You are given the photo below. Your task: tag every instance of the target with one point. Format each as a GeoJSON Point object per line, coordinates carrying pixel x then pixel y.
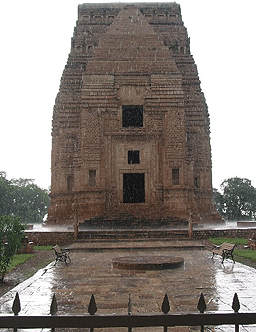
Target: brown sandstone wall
{"type": "Point", "coordinates": [50, 238]}
{"type": "Point", "coordinates": [135, 54]}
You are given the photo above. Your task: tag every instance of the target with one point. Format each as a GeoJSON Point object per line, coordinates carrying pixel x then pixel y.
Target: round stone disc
{"type": "Point", "coordinates": [147, 262]}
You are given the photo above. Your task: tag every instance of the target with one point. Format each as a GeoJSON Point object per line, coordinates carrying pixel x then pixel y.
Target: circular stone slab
{"type": "Point", "coordinates": [147, 262]}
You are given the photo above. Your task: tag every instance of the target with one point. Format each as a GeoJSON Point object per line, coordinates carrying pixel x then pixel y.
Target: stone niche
{"type": "Point", "coordinates": [130, 130]}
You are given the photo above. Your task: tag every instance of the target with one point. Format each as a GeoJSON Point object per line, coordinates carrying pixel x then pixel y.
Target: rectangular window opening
{"type": "Point", "coordinates": [133, 157]}
{"type": "Point", "coordinates": [196, 182]}
{"type": "Point", "coordinates": [175, 176]}
{"type": "Point", "coordinates": [132, 116]}
{"type": "Point", "coordinates": [92, 178]}
{"type": "Point", "coordinates": [70, 182]}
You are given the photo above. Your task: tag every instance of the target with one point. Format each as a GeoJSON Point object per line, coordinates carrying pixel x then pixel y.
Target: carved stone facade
{"type": "Point", "coordinates": [130, 124]}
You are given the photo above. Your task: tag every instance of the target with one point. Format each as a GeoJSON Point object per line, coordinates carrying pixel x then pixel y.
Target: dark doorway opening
{"type": "Point", "coordinates": [134, 188]}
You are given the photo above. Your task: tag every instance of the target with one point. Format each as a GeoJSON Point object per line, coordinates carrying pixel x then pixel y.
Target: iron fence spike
{"type": "Point", "coordinates": [201, 306]}
{"type": "Point", "coordinates": [165, 305]}
{"type": "Point", "coordinates": [236, 303]}
{"type": "Point", "coordinates": [16, 307]}
{"type": "Point", "coordinates": [129, 305]}
{"type": "Point", "coordinates": [54, 305]}
{"type": "Point", "coordinates": [92, 308]}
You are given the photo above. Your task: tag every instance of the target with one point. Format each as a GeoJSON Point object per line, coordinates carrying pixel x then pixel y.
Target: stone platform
{"type": "Point", "coordinates": [91, 272]}
{"type": "Point", "coordinates": [132, 245]}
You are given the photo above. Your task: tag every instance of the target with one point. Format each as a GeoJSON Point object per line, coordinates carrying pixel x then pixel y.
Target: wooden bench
{"type": "Point", "coordinates": [62, 255]}
{"type": "Point", "coordinates": [225, 251]}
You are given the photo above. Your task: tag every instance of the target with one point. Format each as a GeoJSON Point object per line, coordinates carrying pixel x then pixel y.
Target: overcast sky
{"type": "Point", "coordinates": [35, 43]}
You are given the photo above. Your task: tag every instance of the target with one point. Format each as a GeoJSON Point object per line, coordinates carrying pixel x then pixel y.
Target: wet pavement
{"type": "Point", "coordinates": [91, 272]}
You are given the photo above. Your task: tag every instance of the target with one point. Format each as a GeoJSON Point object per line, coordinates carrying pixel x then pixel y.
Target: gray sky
{"type": "Point", "coordinates": [35, 43]}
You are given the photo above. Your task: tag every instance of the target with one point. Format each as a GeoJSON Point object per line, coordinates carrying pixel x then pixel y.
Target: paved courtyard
{"type": "Point", "coordinates": [92, 273]}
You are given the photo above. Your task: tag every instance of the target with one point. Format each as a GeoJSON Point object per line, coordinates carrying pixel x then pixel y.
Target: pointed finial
{"type": "Point", "coordinates": [129, 305]}
{"type": "Point", "coordinates": [236, 303]}
{"type": "Point", "coordinates": [165, 305]}
{"type": "Point", "coordinates": [92, 308]}
{"type": "Point", "coordinates": [54, 306]}
{"type": "Point", "coordinates": [16, 305]}
{"type": "Point", "coordinates": [201, 306]}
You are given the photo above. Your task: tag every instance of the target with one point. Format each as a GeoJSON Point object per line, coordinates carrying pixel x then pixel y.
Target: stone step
{"type": "Point", "coordinates": [126, 234]}
{"type": "Point", "coordinates": [125, 220]}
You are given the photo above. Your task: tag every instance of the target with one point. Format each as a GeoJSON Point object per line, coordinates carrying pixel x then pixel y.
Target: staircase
{"type": "Point", "coordinates": [126, 227]}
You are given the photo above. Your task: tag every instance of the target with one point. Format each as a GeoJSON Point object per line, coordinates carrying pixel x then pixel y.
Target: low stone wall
{"type": "Point", "coordinates": [230, 233]}
{"type": "Point", "coordinates": [50, 238]}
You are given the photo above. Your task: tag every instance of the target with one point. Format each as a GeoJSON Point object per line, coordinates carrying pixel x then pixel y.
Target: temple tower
{"type": "Point", "coordinates": [130, 128]}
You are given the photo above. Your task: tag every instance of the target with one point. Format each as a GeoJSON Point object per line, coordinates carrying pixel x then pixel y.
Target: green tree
{"type": "Point", "coordinates": [11, 235]}
{"type": "Point", "coordinates": [218, 201]}
{"type": "Point", "coordinates": [6, 200]}
{"type": "Point", "coordinates": [239, 199]}
{"type": "Point", "coordinates": [23, 198]}
{"type": "Point", "coordinates": [30, 202]}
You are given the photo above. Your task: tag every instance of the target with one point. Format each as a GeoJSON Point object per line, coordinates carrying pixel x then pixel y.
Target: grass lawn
{"type": "Point", "coordinates": [219, 240]}
{"type": "Point", "coordinates": [22, 258]}
{"type": "Point", "coordinates": [19, 259]}
{"type": "Point", "coordinates": [248, 254]}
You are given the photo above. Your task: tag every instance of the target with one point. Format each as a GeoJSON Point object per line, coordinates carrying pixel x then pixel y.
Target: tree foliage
{"type": "Point", "coordinates": [237, 199]}
{"type": "Point", "coordinates": [11, 235]}
{"type": "Point", "coordinates": [22, 198]}
{"type": "Point", "coordinates": [218, 201]}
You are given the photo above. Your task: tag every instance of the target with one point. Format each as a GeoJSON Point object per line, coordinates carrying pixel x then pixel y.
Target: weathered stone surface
{"type": "Point", "coordinates": [147, 262]}
{"type": "Point", "coordinates": [130, 62]}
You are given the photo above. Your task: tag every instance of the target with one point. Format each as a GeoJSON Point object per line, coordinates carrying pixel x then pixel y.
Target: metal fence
{"type": "Point", "coordinates": [129, 321]}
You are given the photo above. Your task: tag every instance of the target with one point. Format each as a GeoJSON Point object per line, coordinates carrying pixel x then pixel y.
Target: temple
{"type": "Point", "coordinates": [130, 129]}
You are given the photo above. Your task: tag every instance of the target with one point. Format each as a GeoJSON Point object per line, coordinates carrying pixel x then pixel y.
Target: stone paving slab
{"type": "Point", "coordinates": [135, 245]}
{"type": "Point", "coordinates": [91, 272]}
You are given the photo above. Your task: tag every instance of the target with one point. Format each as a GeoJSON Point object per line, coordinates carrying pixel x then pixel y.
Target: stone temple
{"type": "Point", "coordinates": [130, 129]}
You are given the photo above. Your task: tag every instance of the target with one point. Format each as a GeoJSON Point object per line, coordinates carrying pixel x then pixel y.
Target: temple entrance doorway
{"type": "Point", "coordinates": [134, 188]}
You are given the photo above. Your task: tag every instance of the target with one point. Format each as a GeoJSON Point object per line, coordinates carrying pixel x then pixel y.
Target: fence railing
{"type": "Point", "coordinates": [129, 321]}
